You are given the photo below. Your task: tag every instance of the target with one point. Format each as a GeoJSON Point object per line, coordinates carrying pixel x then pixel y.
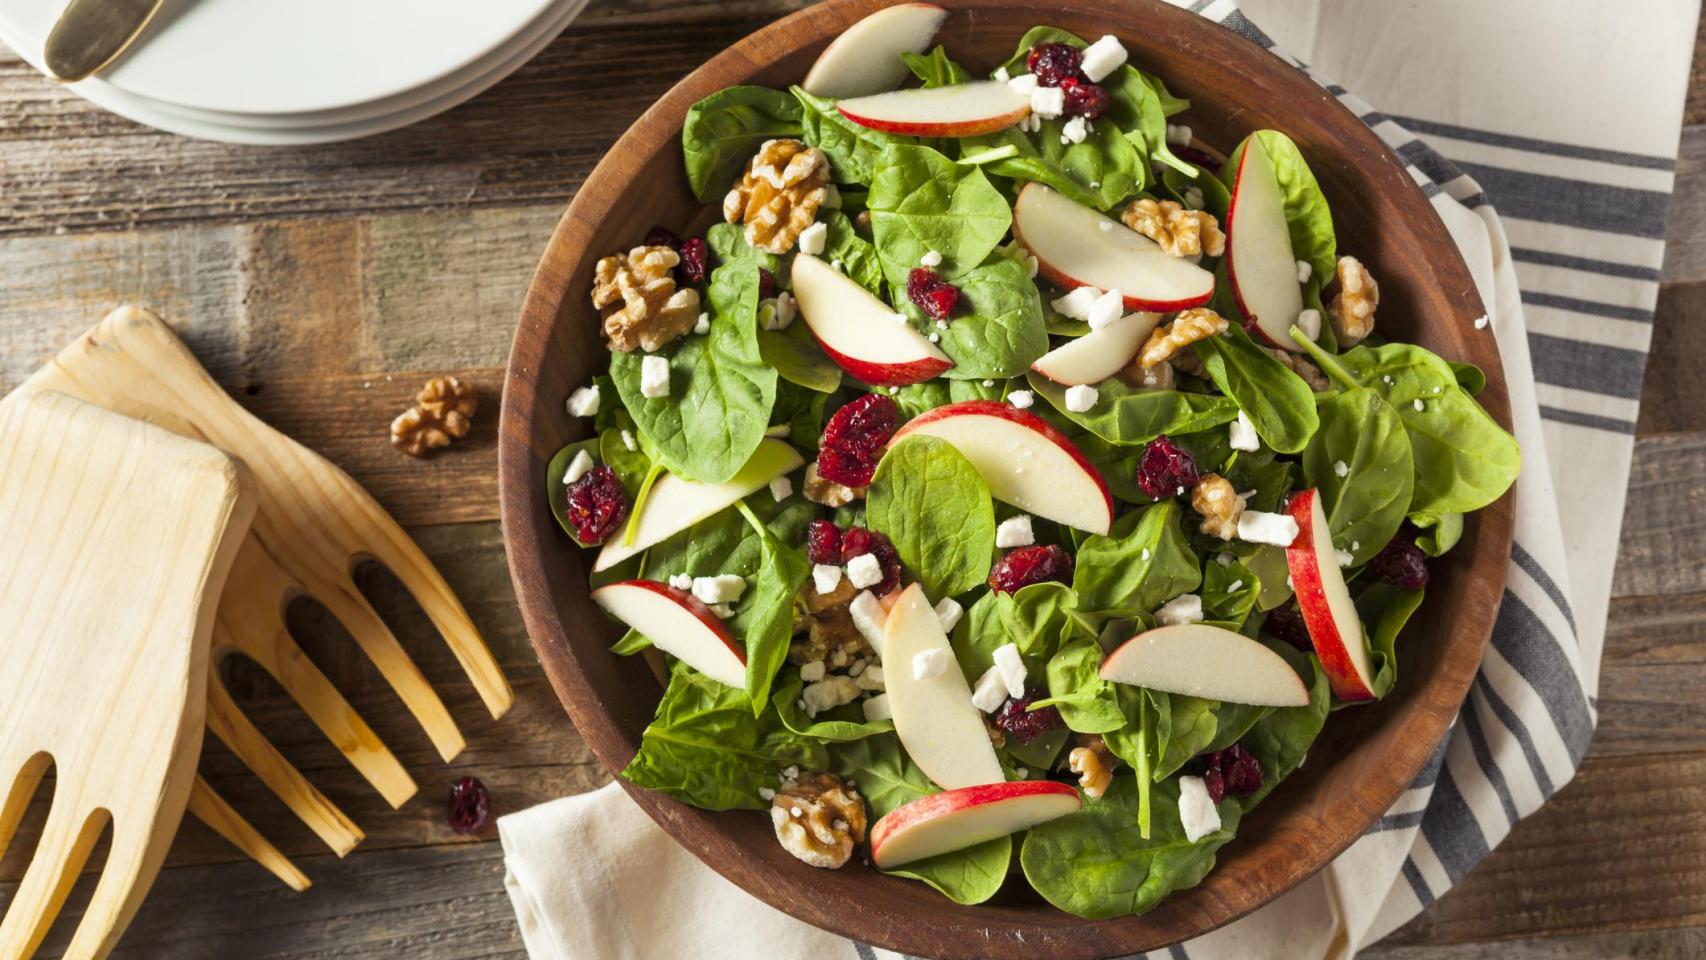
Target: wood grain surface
{"type": "Point", "coordinates": [321, 286]}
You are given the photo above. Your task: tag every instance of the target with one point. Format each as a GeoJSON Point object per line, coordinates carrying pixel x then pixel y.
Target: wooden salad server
{"type": "Point", "coordinates": [118, 539]}
{"type": "Point", "coordinates": [312, 526]}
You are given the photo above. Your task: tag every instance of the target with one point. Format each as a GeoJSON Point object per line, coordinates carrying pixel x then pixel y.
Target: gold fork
{"type": "Point", "coordinates": [312, 526]}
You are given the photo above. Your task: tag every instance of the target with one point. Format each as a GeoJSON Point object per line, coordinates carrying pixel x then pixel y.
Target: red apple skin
{"type": "Point", "coordinates": [694, 606]}
{"type": "Point", "coordinates": [885, 374]}
{"type": "Point", "coordinates": [1305, 569]}
{"type": "Point", "coordinates": [961, 128]}
{"type": "Point", "coordinates": [937, 804]}
{"type": "Point", "coordinates": [1006, 411]}
{"type": "Point", "coordinates": [1062, 280]}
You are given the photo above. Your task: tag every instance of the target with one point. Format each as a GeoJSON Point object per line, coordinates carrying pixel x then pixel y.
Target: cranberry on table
{"type": "Point", "coordinates": [470, 802]}
{"type": "Point", "coordinates": [1028, 565]}
{"type": "Point", "coordinates": [1051, 63]}
{"type": "Point", "coordinates": [1016, 718]}
{"type": "Point", "coordinates": [1402, 564]}
{"type": "Point", "coordinates": [595, 505]}
{"type": "Point", "coordinates": [931, 294]}
{"type": "Point", "coordinates": [1166, 469]}
{"type": "Point", "coordinates": [854, 438]}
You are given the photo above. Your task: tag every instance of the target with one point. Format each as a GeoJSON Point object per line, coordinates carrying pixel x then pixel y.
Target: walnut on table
{"type": "Point", "coordinates": [1187, 328]}
{"type": "Point", "coordinates": [1352, 311]}
{"type": "Point", "coordinates": [819, 818]}
{"type": "Point", "coordinates": [1094, 763]}
{"type": "Point", "coordinates": [442, 413]}
{"type": "Point", "coordinates": [1179, 232]}
{"type": "Point", "coordinates": [641, 305]}
{"type": "Point", "coordinates": [779, 195]}
{"type": "Point", "coordinates": [1220, 505]}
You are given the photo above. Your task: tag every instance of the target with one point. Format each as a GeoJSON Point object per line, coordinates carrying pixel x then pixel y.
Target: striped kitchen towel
{"type": "Point", "coordinates": [1563, 117]}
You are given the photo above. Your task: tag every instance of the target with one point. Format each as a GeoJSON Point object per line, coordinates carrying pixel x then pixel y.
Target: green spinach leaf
{"type": "Point", "coordinates": [852, 149]}
{"type": "Point", "coordinates": [921, 201]}
{"type": "Point", "coordinates": [1366, 503]}
{"type": "Point", "coordinates": [1141, 563]}
{"type": "Point", "coordinates": [997, 331]}
{"type": "Point", "coordinates": [840, 725]}
{"type": "Point", "coordinates": [1124, 414]}
{"type": "Point", "coordinates": [725, 129]}
{"type": "Point", "coordinates": [933, 504]}
{"type": "Point", "coordinates": [935, 69]}
{"type": "Point", "coordinates": [1075, 686]}
{"type": "Point", "coordinates": [1278, 403]}
{"type": "Point", "coordinates": [1037, 619]}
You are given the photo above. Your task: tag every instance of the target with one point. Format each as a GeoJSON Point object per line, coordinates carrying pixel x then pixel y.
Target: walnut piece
{"type": "Point", "coordinates": [1094, 764]}
{"type": "Point", "coordinates": [641, 306]}
{"type": "Point", "coordinates": [828, 492]}
{"type": "Point", "coordinates": [1180, 232]}
{"type": "Point", "coordinates": [779, 195]}
{"type": "Point", "coordinates": [830, 636]}
{"type": "Point", "coordinates": [1187, 328]}
{"type": "Point", "coordinates": [1352, 311]}
{"type": "Point", "coordinates": [1299, 364]}
{"type": "Point", "coordinates": [1219, 504]}
{"type": "Point", "coordinates": [819, 818]}
{"type": "Point", "coordinates": [442, 413]}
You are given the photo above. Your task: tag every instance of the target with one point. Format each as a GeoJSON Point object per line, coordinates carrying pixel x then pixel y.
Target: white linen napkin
{"type": "Point", "coordinates": [1564, 114]}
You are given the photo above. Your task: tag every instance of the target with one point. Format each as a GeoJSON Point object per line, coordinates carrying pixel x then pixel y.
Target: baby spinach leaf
{"type": "Point", "coordinates": [725, 129]}
{"type": "Point", "coordinates": [708, 748]}
{"type": "Point", "coordinates": [997, 330]}
{"type": "Point", "coordinates": [1366, 504]}
{"type": "Point", "coordinates": [1469, 377]}
{"type": "Point", "coordinates": [852, 149]}
{"type": "Point", "coordinates": [935, 69]}
{"type": "Point", "coordinates": [914, 399]}
{"type": "Point", "coordinates": [1279, 404]}
{"type": "Point", "coordinates": [1093, 863]}
{"type": "Point", "coordinates": [1229, 591]}
{"type": "Point", "coordinates": [1184, 727]}
{"type": "Point", "coordinates": [798, 359]}
{"type": "Point", "coordinates": [1099, 172]}
{"type": "Point", "coordinates": [764, 615]}
{"type": "Point", "coordinates": [888, 779]}
{"type": "Point", "coordinates": [1384, 609]}
{"type": "Point", "coordinates": [1086, 702]}
{"type": "Point", "coordinates": [556, 492]}
{"type": "Point", "coordinates": [1141, 563]}
{"type": "Point", "coordinates": [800, 409]}
{"type": "Point", "coordinates": [631, 643]}
{"type": "Point", "coordinates": [720, 387]}
{"type": "Point", "coordinates": [842, 724]}
{"type": "Point", "coordinates": [857, 257]}
{"type": "Point", "coordinates": [1307, 216]}
{"type": "Point", "coordinates": [728, 242]}
{"type": "Point", "coordinates": [1267, 479]}
{"type": "Point", "coordinates": [631, 466]}
{"type": "Point", "coordinates": [1037, 618]}
{"type": "Point", "coordinates": [1128, 415]}
{"type": "Point", "coordinates": [1281, 739]}
{"type": "Point", "coordinates": [922, 201]}
{"type": "Point", "coordinates": [1438, 533]}
{"type": "Point", "coordinates": [933, 504]}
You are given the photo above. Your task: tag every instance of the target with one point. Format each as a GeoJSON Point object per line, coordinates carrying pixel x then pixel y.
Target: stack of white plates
{"type": "Point", "coordinates": [303, 71]}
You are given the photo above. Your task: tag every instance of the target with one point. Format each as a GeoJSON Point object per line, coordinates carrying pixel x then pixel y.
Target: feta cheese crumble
{"type": "Point", "coordinates": [1015, 532]}
{"type": "Point", "coordinates": [812, 239]}
{"type": "Point", "coordinates": [1345, 558]}
{"type": "Point", "coordinates": [990, 692]}
{"type": "Point", "coordinates": [1024, 84]}
{"type": "Point", "coordinates": [1181, 609]}
{"type": "Point", "coordinates": [1196, 811]}
{"type": "Point", "coordinates": [578, 467]}
{"type": "Point", "coordinates": [1101, 58]}
{"type": "Point", "coordinates": [1011, 668]}
{"type": "Point", "coordinates": [1178, 135]}
{"type": "Point", "coordinates": [813, 672]}
{"type": "Point", "coordinates": [1254, 526]}
{"type": "Point", "coordinates": [829, 693]}
{"type": "Point", "coordinates": [1304, 271]}
{"type": "Point", "coordinates": [929, 663]}
{"type": "Point", "coordinates": [681, 581]}
{"type": "Point", "coordinates": [584, 402]}
{"type": "Point", "coordinates": [868, 617]}
{"type": "Point", "coordinates": [1105, 310]}
{"type": "Point", "coordinates": [628, 441]}
{"type": "Point", "coordinates": [1002, 74]}
{"type": "Point", "coordinates": [1481, 322]}
{"type": "Point", "coordinates": [722, 588]}
{"type": "Point", "coordinates": [1309, 321]}
{"type": "Point", "coordinates": [1241, 434]}
{"type": "Point", "coordinates": [1048, 102]}
{"type": "Point", "coordinates": [781, 488]}
{"type": "Point", "coordinates": [1075, 130]}
{"type": "Point", "coordinates": [877, 708]}
{"type": "Point", "coordinates": [1080, 398]}
{"type": "Point", "coordinates": [654, 377]}
{"type": "Point", "coordinates": [948, 612]}
{"type": "Point", "coordinates": [1021, 399]}
{"type": "Point", "coordinates": [1341, 469]}
{"type": "Point", "coordinates": [871, 678]}
{"type": "Point", "coordinates": [702, 326]}
{"type": "Point", "coordinates": [931, 258]}
{"type": "Point", "coordinates": [1194, 198]}
{"type": "Point", "coordinates": [864, 571]}
{"type": "Point", "coordinates": [1419, 405]}
{"type": "Point", "coordinates": [825, 577]}
{"type": "Point", "coordinates": [1077, 303]}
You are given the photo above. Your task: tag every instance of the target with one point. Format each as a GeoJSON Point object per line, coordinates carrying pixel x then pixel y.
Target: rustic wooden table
{"type": "Point", "coordinates": [322, 285]}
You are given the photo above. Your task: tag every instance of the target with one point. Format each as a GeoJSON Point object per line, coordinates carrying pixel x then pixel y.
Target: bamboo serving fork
{"type": "Point", "coordinates": [118, 538]}
{"type": "Point", "coordinates": [312, 525]}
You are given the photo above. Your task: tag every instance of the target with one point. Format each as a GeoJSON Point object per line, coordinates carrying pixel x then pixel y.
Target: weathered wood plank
{"type": "Point", "coordinates": [1653, 677]}
{"type": "Point", "coordinates": [1665, 519]}
{"type": "Point", "coordinates": [1673, 397]}
{"type": "Point", "coordinates": [1676, 944]}
{"type": "Point", "coordinates": [1685, 231]}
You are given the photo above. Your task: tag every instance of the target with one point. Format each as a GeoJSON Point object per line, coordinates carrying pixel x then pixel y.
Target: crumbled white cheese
{"type": "Point", "coordinates": [1481, 322]}
{"type": "Point", "coordinates": [931, 258]}
{"type": "Point", "coordinates": [1254, 526]}
{"type": "Point", "coordinates": [628, 441]}
{"type": "Point", "coordinates": [864, 571]}
{"type": "Point", "coordinates": [1345, 558]}
{"type": "Point", "coordinates": [1236, 586]}
{"type": "Point", "coordinates": [778, 314]}
{"type": "Point", "coordinates": [829, 693]}
{"type": "Point", "coordinates": [1075, 130]}
{"type": "Point", "coordinates": [1011, 667]}
{"type": "Point", "coordinates": [1178, 135]}
{"type": "Point", "coordinates": [578, 467]}
{"type": "Point", "coordinates": [1021, 399]}
{"type": "Point", "coordinates": [1242, 434]}
{"type": "Point", "coordinates": [654, 377]}
{"type": "Point", "coordinates": [723, 588]}
{"type": "Point", "coordinates": [990, 692]}
{"type": "Point", "coordinates": [1181, 609]}
{"type": "Point", "coordinates": [1194, 198]}
{"type": "Point", "coordinates": [1196, 810]}
{"type": "Point", "coordinates": [871, 678]}
{"type": "Point", "coordinates": [766, 794]}
{"type": "Point", "coordinates": [813, 672]}
{"type": "Point", "coordinates": [1023, 84]}
{"type": "Point", "coordinates": [825, 577]}
{"type": "Point", "coordinates": [1015, 532]}
{"type": "Point", "coordinates": [1105, 310]}
{"type": "Point", "coordinates": [1420, 407]}
{"type": "Point", "coordinates": [1309, 321]}
{"type": "Point", "coordinates": [702, 326]}
{"type": "Point", "coordinates": [1077, 303]}
{"type": "Point", "coordinates": [584, 402]}
{"type": "Point", "coordinates": [1224, 559]}
{"type": "Point", "coordinates": [868, 617]}
{"type": "Point", "coordinates": [1002, 74]}
{"type": "Point", "coordinates": [1304, 271]}
{"type": "Point", "coordinates": [722, 610]}
{"type": "Point", "coordinates": [681, 581]}
{"type": "Point", "coordinates": [1101, 58]}
{"type": "Point", "coordinates": [1081, 397]}
{"type": "Point", "coordinates": [781, 488]}
{"type": "Point", "coordinates": [877, 708]}
{"type": "Point", "coordinates": [935, 338]}
{"type": "Point", "coordinates": [948, 612]}
{"type": "Point", "coordinates": [929, 663]}
{"type": "Point", "coordinates": [812, 239]}
{"type": "Point", "coordinates": [1341, 469]}
{"type": "Point", "coordinates": [1048, 102]}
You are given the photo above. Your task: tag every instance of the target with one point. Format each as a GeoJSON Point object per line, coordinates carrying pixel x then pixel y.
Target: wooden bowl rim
{"type": "Point", "coordinates": [937, 924]}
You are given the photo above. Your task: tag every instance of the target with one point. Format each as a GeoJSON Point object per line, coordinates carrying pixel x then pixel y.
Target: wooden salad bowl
{"type": "Point", "coordinates": [1366, 756]}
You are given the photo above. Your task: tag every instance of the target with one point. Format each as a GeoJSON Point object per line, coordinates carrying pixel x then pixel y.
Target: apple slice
{"type": "Point", "coordinates": [1075, 247]}
{"type": "Point", "coordinates": [1201, 660]}
{"type": "Point", "coordinates": [1025, 461]}
{"type": "Point", "coordinates": [960, 110]}
{"type": "Point", "coordinates": [1325, 602]}
{"type": "Point", "coordinates": [865, 59]}
{"type": "Point", "coordinates": [676, 504]}
{"type": "Point", "coordinates": [1259, 259]}
{"type": "Point", "coordinates": [934, 717]}
{"type": "Point", "coordinates": [858, 331]}
{"type": "Point", "coordinates": [957, 819]}
{"type": "Point", "coordinates": [677, 623]}
{"type": "Point", "coordinates": [1099, 354]}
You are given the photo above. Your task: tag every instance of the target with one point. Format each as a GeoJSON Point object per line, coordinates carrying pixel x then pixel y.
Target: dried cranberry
{"type": "Point", "coordinates": [1166, 469]}
{"type": "Point", "coordinates": [1018, 720]}
{"type": "Point", "coordinates": [933, 295]}
{"type": "Point", "coordinates": [1201, 158]}
{"type": "Point", "coordinates": [766, 284]}
{"type": "Point", "coordinates": [1051, 63]}
{"type": "Point", "coordinates": [596, 505]}
{"type": "Point", "coordinates": [1235, 769]}
{"type": "Point", "coordinates": [854, 438]}
{"type": "Point", "coordinates": [858, 540]}
{"type": "Point", "coordinates": [1215, 783]}
{"type": "Point", "coordinates": [1028, 565]}
{"type": "Point", "coordinates": [1402, 564]}
{"type": "Point", "coordinates": [661, 236]}
{"type": "Point", "coordinates": [695, 259]}
{"type": "Point", "coordinates": [1285, 622]}
{"type": "Point", "coordinates": [1084, 99]}
{"type": "Point", "coordinates": [823, 542]}
{"type": "Point", "coordinates": [469, 804]}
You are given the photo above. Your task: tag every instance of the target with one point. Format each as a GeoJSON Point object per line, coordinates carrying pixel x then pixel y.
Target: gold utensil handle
{"type": "Point", "coordinates": [92, 33]}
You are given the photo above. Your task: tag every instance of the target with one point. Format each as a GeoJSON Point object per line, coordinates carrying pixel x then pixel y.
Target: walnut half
{"type": "Point", "coordinates": [1179, 232]}
{"type": "Point", "coordinates": [1352, 311]}
{"type": "Point", "coordinates": [819, 818]}
{"type": "Point", "coordinates": [1094, 764]}
{"type": "Point", "coordinates": [442, 413]}
{"type": "Point", "coordinates": [640, 303]}
{"type": "Point", "coordinates": [1219, 504]}
{"type": "Point", "coordinates": [1187, 328]}
{"type": "Point", "coordinates": [779, 195]}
